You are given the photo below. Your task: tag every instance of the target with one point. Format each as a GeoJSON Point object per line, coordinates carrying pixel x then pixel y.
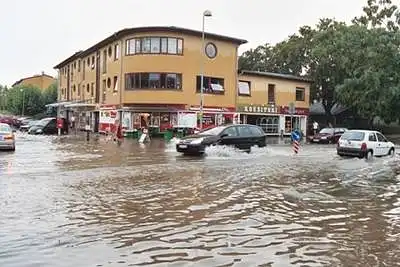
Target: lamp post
{"type": "Point", "coordinates": [23, 101]}
{"type": "Point", "coordinates": [206, 13]}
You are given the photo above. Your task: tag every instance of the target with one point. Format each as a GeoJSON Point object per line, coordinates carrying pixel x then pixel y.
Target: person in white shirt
{"type": "Point", "coordinates": [315, 127]}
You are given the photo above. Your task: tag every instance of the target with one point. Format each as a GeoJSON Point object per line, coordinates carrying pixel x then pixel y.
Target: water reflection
{"type": "Point", "coordinates": [101, 205]}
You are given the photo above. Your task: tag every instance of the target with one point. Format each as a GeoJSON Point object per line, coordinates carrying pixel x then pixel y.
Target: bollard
{"type": "Point", "coordinates": [296, 136]}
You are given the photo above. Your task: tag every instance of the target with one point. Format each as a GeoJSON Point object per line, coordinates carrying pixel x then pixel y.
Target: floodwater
{"type": "Point", "coordinates": [65, 202]}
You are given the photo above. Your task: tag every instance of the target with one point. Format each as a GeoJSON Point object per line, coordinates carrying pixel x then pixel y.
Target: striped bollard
{"type": "Point", "coordinates": [296, 136]}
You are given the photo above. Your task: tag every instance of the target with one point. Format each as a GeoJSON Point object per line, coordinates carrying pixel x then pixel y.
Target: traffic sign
{"type": "Point", "coordinates": [292, 108]}
{"type": "Point", "coordinates": [296, 136]}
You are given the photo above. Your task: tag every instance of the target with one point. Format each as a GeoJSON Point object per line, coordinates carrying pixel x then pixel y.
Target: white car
{"type": "Point", "coordinates": [7, 138]}
{"type": "Point", "coordinates": [363, 143]}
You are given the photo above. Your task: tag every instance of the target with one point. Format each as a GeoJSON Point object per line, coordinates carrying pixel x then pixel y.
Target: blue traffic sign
{"type": "Point", "coordinates": [296, 135]}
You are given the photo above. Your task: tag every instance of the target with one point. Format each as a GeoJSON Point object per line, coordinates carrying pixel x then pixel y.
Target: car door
{"type": "Point", "coordinates": [383, 144]}
{"type": "Point", "coordinates": [246, 138]}
{"type": "Point", "coordinates": [373, 143]}
{"type": "Point", "coordinates": [258, 136]}
{"type": "Point", "coordinates": [229, 136]}
{"type": "Point", "coordinates": [51, 127]}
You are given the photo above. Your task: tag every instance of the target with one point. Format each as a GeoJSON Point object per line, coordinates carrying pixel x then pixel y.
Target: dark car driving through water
{"type": "Point", "coordinates": [241, 136]}
{"type": "Point", "coordinates": [328, 135]}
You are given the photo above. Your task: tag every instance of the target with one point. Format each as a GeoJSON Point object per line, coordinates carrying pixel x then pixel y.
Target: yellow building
{"type": "Point", "coordinates": [42, 81]}
{"type": "Point", "coordinates": [278, 103]}
{"type": "Point", "coordinates": [151, 75]}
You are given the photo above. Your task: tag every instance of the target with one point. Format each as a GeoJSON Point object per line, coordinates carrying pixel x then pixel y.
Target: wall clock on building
{"type": "Point", "coordinates": [211, 50]}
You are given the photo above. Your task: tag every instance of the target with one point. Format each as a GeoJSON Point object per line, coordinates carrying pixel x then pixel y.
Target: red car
{"type": "Point", "coordinates": [328, 135]}
{"type": "Point", "coordinates": [7, 120]}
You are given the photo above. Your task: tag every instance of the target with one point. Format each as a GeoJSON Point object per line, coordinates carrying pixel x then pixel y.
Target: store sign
{"type": "Point", "coordinates": [297, 111]}
{"type": "Point", "coordinates": [258, 109]}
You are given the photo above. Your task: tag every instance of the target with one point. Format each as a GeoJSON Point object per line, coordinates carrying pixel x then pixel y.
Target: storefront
{"type": "Point", "coordinates": [213, 116]}
{"type": "Point", "coordinates": [274, 120]}
{"type": "Point", "coordinates": [82, 114]}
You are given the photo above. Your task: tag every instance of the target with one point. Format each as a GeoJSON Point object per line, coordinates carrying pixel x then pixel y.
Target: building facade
{"type": "Point", "coordinates": [151, 75]}
{"type": "Point", "coordinates": [41, 81]}
{"type": "Point", "coordinates": [278, 103]}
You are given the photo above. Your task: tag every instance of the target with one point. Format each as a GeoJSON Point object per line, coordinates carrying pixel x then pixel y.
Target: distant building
{"type": "Point", "coordinates": [41, 81]}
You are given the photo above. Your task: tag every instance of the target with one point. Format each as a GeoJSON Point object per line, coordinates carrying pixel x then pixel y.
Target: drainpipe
{"type": "Point", "coordinates": [121, 80]}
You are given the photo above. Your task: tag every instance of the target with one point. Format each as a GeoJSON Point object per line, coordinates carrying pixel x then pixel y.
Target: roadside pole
{"type": "Point", "coordinates": [292, 111]}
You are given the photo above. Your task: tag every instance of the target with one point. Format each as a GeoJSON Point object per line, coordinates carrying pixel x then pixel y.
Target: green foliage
{"type": "Point", "coordinates": [357, 65]}
{"type": "Point", "coordinates": [27, 100]}
{"type": "Point", "coordinates": [50, 94]}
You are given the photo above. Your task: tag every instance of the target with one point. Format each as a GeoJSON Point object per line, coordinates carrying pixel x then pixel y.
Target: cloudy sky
{"type": "Point", "coordinates": [38, 34]}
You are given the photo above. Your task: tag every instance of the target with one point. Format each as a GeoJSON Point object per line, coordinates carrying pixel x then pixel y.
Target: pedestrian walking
{"type": "Point", "coordinates": [118, 132]}
{"type": "Point", "coordinates": [315, 127]}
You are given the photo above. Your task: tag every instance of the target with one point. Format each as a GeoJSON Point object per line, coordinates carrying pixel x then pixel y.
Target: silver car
{"type": "Point", "coordinates": [7, 137]}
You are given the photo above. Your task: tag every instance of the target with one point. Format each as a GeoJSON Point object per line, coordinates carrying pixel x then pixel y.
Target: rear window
{"type": "Point", "coordinates": [353, 136]}
{"type": "Point", "coordinates": [5, 129]}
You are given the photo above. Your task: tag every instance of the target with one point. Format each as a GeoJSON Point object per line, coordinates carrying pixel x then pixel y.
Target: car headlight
{"type": "Point", "coordinates": [197, 141]}
{"type": "Point", "coordinates": [39, 131]}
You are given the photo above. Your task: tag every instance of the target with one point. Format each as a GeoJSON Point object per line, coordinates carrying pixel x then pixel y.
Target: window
{"type": "Point", "coordinates": [211, 85]}
{"type": "Point", "coordinates": [231, 131]}
{"type": "Point", "coordinates": [103, 89]}
{"type": "Point", "coordinates": [83, 70]}
{"type": "Point", "coordinates": [164, 45]}
{"type": "Point", "coordinates": [79, 65]}
{"type": "Point", "coordinates": [116, 52]}
{"type": "Point", "coordinates": [108, 83]}
{"type": "Point", "coordinates": [92, 90]}
{"type": "Point", "coordinates": [88, 62]}
{"type": "Point", "coordinates": [244, 88]}
{"type": "Point", "coordinates": [153, 80]}
{"type": "Point", "coordinates": [270, 124]}
{"type": "Point", "coordinates": [154, 45]}
{"type": "Point", "coordinates": [372, 137]}
{"type": "Point", "coordinates": [104, 62]}
{"type": "Point", "coordinates": [300, 94]}
{"type": "Point", "coordinates": [88, 88]}
{"type": "Point", "coordinates": [92, 62]}
{"type": "Point", "coordinates": [172, 45]}
{"type": "Point", "coordinates": [115, 84]}
{"type": "Point", "coordinates": [271, 94]}
{"type": "Point", "coordinates": [381, 138]}
{"type": "Point", "coordinates": [109, 51]}
{"type": "Point", "coordinates": [244, 131]}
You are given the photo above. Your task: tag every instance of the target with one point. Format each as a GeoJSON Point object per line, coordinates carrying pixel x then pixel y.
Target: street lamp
{"type": "Point", "coordinates": [206, 13]}
{"type": "Point", "coordinates": [23, 101]}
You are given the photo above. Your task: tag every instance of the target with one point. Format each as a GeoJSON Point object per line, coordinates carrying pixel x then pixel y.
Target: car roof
{"type": "Point", "coordinates": [364, 131]}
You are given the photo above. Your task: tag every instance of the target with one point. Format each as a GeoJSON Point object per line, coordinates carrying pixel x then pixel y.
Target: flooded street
{"type": "Point", "coordinates": [65, 202]}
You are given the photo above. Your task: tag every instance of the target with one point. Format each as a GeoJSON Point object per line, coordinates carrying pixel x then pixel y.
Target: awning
{"type": "Point", "coordinates": [58, 104]}
{"type": "Point", "coordinates": [80, 105]}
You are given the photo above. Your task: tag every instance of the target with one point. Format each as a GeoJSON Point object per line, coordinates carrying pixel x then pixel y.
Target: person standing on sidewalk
{"type": "Point", "coordinates": [118, 132]}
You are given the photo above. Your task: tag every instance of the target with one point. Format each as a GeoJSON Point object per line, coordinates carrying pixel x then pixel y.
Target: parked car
{"type": "Point", "coordinates": [328, 135]}
{"type": "Point", "coordinates": [44, 126]}
{"type": "Point", "coordinates": [363, 143]}
{"type": "Point", "coordinates": [242, 136]}
{"type": "Point", "coordinates": [7, 138]}
{"type": "Point", "coordinates": [27, 125]}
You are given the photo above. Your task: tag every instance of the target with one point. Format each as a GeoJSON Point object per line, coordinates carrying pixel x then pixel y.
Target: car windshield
{"type": "Point", "coordinates": [43, 122]}
{"type": "Point", "coordinates": [5, 129]}
{"type": "Point", "coordinates": [326, 131]}
{"type": "Point", "coordinates": [213, 131]}
{"type": "Point", "coordinates": [31, 123]}
{"type": "Point", "coordinates": [353, 136]}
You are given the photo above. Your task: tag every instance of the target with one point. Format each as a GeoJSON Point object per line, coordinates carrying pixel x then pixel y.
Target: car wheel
{"type": "Point", "coordinates": [391, 152]}
{"type": "Point", "coordinates": [369, 155]}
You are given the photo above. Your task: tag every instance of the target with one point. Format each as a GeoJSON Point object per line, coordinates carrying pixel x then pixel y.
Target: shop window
{"type": "Point", "coordinates": [211, 85]}
{"type": "Point", "coordinates": [292, 123]}
{"type": "Point", "coordinates": [116, 51]}
{"type": "Point", "coordinates": [244, 88]}
{"type": "Point", "coordinates": [300, 94]}
{"type": "Point", "coordinates": [153, 81]}
{"type": "Point", "coordinates": [271, 93]}
{"type": "Point", "coordinates": [154, 45]}
{"type": "Point", "coordinates": [270, 124]}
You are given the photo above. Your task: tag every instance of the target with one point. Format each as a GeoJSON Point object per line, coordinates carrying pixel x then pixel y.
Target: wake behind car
{"type": "Point", "coordinates": [44, 126]}
{"type": "Point", "coordinates": [328, 135]}
{"type": "Point", "coordinates": [7, 138]}
{"type": "Point", "coordinates": [364, 143]}
{"type": "Point", "coordinates": [241, 136]}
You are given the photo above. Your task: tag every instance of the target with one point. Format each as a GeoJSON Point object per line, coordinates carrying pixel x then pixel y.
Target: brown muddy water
{"type": "Point", "coordinates": [64, 202]}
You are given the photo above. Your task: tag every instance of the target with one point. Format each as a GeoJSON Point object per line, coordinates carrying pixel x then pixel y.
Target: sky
{"type": "Point", "coordinates": [38, 34]}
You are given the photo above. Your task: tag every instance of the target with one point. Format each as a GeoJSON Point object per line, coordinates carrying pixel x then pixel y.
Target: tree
{"type": "Point", "coordinates": [25, 99]}
{"type": "Point", "coordinates": [378, 13]}
{"type": "Point", "coordinates": [50, 94]}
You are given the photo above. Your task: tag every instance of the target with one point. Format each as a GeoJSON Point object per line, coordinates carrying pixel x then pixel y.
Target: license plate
{"type": "Point", "coordinates": [182, 146]}
{"type": "Point", "coordinates": [316, 140]}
